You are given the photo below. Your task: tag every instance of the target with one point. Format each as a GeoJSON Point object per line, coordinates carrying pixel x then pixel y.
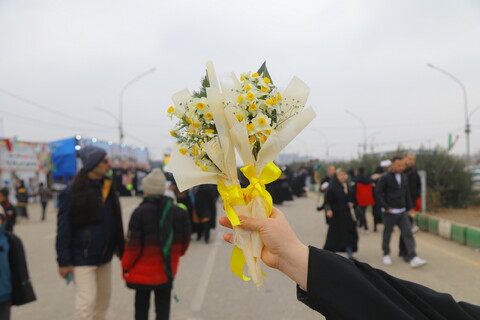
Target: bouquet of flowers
{"type": "Point", "coordinates": [248, 114]}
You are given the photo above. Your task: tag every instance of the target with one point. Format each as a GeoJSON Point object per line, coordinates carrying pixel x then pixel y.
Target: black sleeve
{"type": "Point", "coordinates": [327, 202]}
{"type": "Point", "coordinates": [408, 196]}
{"type": "Point", "coordinates": [379, 191]}
{"type": "Point", "coordinates": [64, 233]}
{"type": "Point", "coordinates": [340, 288]}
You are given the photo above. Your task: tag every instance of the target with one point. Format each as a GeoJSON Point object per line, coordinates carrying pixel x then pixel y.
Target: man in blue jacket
{"type": "Point", "coordinates": [89, 233]}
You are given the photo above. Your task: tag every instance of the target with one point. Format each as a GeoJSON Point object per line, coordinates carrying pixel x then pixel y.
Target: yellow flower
{"type": "Point", "coordinates": [268, 132]}
{"type": "Point", "coordinates": [255, 75]}
{"type": "Point", "coordinates": [240, 99]}
{"type": "Point", "coordinates": [251, 139]}
{"type": "Point", "coordinates": [265, 89]}
{"type": "Point", "coordinates": [279, 96]}
{"type": "Point", "coordinates": [262, 121]}
{"type": "Point", "coordinates": [242, 78]}
{"type": "Point", "coordinates": [183, 151]}
{"type": "Point", "coordinates": [203, 167]}
{"type": "Point", "coordinates": [195, 151]}
{"type": "Point", "coordinates": [250, 126]}
{"type": "Point", "coordinates": [209, 131]}
{"type": "Point", "coordinates": [189, 120]}
{"type": "Point", "coordinates": [247, 87]}
{"type": "Point", "coordinates": [266, 79]}
{"type": "Point", "coordinates": [250, 96]}
{"type": "Point", "coordinates": [195, 125]}
{"type": "Point", "coordinates": [191, 132]}
{"type": "Point", "coordinates": [252, 107]}
{"type": "Point", "coordinates": [269, 101]}
{"type": "Point", "coordinates": [274, 100]}
{"type": "Point", "coordinates": [172, 133]}
{"type": "Point", "coordinates": [170, 109]}
{"type": "Point", "coordinates": [263, 139]}
{"type": "Point", "coordinates": [197, 164]}
{"type": "Point", "coordinates": [208, 116]}
{"type": "Point", "coordinates": [200, 105]}
{"type": "Point", "coordinates": [239, 117]}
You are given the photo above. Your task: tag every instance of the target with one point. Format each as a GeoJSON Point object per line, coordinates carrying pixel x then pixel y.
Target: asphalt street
{"type": "Point", "coordinates": [209, 291]}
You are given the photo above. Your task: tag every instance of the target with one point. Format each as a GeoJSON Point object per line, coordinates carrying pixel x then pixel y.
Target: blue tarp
{"type": "Point", "coordinates": [64, 158]}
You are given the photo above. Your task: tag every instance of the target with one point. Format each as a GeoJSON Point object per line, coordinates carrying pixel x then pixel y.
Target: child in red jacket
{"type": "Point", "coordinates": [158, 234]}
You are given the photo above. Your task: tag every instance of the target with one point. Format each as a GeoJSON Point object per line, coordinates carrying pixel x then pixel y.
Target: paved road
{"type": "Point", "coordinates": [208, 291]}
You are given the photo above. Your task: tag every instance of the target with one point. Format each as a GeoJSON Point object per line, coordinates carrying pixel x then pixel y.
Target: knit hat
{"type": "Point", "coordinates": [154, 183]}
{"type": "Point", "coordinates": [91, 156]}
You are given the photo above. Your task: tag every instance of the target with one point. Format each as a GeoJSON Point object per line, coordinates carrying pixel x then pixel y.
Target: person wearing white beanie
{"type": "Point", "coordinates": [154, 183]}
{"type": "Point", "coordinates": [158, 235]}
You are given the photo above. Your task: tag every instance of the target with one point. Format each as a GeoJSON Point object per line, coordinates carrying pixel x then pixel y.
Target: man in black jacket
{"type": "Point", "coordinates": [89, 233]}
{"type": "Point", "coordinates": [393, 194]}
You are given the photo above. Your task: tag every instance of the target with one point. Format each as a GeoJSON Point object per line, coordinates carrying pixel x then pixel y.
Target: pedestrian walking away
{"type": "Point", "coordinates": [45, 195]}
{"type": "Point", "coordinates": [363, 194]}
{"type": "Point", "coordinates": [158, 235]}
{"type": "Point", "coordinates": [393, 194]}
{"type": "Point", "coordinates": [89, 233]}
{"type": "Point", "coordinates": [22, 199]}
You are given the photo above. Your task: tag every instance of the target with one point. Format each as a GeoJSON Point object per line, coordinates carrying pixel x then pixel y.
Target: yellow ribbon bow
{"type": "Point", "coordinates": [256, 188]}
{"type": "Point", "coordinates": [231, 196]}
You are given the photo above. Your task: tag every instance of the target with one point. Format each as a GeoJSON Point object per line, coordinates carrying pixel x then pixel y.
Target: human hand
{"type": "Point", "coordinates": [329, 213]}
{"type": "Point", "coordinates": [388, 210]}
{"type": "Point", "coordinates": [350, 205]}
{"type": "Point", "coordinates": [63, 271]}
{"type": "Point", "coordinates": [282, 250]}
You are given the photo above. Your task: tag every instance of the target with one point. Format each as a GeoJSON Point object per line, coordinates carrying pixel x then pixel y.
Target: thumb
{"type": "Point", "coordinates": [252, 224]}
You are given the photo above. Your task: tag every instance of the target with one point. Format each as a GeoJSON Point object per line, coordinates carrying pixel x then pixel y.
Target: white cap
{"type": "Point", "coordinates": [385, 163]}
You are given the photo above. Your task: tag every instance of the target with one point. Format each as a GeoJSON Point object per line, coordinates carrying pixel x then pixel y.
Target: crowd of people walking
{"type": "Point", "coordinates": [90, 228]}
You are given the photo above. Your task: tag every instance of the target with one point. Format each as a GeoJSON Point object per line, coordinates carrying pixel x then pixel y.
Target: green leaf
{"type": "Point", "coordinates": [205, 83]}
{"type": "Point", "coordinates": [263, 71]}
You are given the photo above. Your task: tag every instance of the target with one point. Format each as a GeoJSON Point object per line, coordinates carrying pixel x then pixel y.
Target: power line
{"type": "Point", "coordinates": [52, 110]}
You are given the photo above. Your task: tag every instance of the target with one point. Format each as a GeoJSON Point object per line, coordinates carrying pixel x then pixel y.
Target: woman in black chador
{"type": "Point", "coordinates": [342, 232]}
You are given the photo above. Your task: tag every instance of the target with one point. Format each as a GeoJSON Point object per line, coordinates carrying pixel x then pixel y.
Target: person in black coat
{"type": "Point", "coordinates": [342, 232]}
{"type": "Point", "coordinates": [346, 289]}
{"type": "Point", "coordinates": [205, 209]}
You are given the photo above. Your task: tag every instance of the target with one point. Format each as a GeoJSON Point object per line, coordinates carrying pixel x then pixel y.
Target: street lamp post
{"type": "Point", "coordinates": [120, 100]}
{"type": "Point", "coordinates": [464, 91]}
{"type": "Point", "coordinates": [364, 130]}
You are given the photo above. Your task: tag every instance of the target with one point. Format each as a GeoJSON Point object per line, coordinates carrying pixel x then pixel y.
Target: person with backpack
{"type": "Point", "coordinates": [158, 235]}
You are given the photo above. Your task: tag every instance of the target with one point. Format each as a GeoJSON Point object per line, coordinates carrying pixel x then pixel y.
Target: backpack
{"type": "Point", "coordinates": [22, 289]}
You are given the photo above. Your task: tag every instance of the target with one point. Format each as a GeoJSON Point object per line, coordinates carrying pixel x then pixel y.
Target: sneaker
{"type": "Point", "coordinates": [414, 229]}
{"type": "Point", "coordinates": [387, 260]}
{"type": "Point", "coordinates": [417, 262]}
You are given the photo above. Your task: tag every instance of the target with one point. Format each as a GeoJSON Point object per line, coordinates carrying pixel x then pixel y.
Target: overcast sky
{"type": "Point", "coordinates": [365, 56]}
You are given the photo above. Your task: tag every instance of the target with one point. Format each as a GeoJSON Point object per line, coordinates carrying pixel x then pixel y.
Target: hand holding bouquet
{"type": "Point", "coordinates": [248, 114]}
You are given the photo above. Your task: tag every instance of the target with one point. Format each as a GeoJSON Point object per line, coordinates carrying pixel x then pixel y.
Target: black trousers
{"type": "Point", "coordinates": [162, 302]}
{"type": "Point", "coordinates": [361, 216]}
{"type": "Point", "coordinates": [5, 310]}
{"type": "Point", "coordinates": [44, 209]}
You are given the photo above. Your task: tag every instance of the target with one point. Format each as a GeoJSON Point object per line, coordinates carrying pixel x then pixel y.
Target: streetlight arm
{"type": "Point", "coordinates": [120, 99]}
{"type": "Point", "coordinates": [451, 76]}
{"type": "Point", "coordinates": [473, 111]}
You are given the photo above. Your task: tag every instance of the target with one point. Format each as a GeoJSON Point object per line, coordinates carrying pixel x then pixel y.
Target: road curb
{"type": "Point", "coordinates": [460, 233]}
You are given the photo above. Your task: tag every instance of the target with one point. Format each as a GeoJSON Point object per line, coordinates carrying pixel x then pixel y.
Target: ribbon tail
{"type": "Point", "coordinates": [237, 262]}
